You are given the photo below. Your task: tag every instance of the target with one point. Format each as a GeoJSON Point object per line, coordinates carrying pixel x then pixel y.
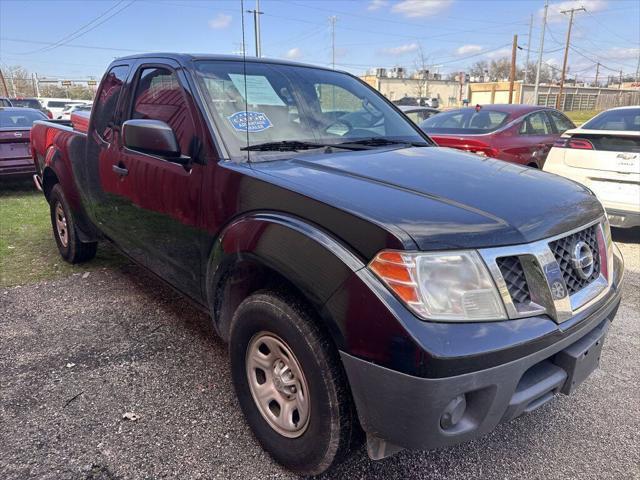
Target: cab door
{"type": "Point", "coordinates": [156, 206]}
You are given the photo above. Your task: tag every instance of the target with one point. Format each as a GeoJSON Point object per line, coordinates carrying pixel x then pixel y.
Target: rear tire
{"type": "Point", "coordinates": [271, 333]}
{"type": "Point", "coordinates": [64, 230]}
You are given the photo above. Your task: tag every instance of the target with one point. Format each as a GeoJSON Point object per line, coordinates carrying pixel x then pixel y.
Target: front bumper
{"type": "Point", "coordinates": [402, 411]}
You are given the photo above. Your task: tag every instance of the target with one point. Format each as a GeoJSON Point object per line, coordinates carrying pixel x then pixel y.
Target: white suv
{"type": "Point", "coordinates": [604, 155]}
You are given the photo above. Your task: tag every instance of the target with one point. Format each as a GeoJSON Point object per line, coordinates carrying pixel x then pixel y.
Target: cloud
{"type": "Point", "coordinates": [377, 4]}
{"type": "Point", "coordinates": [401, 50]}
{"type": "Point", "coordinates": [554, 15]}
{"type": "Point", "coordinates": [221, 20]}
{"type": "Point", "coordinates": [503, 52]}
{"type": "Point", "coordinates": [621, 53]}
{"type": "Point", "coordinates": [420, 8]}
{"type": "Point", "coordinates": [293, 53]}
{"type": "Point", "coordinates": [468, 49]}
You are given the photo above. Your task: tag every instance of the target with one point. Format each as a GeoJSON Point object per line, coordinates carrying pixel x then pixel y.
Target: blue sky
{"type": "Point", "coordinates": [77, 39]}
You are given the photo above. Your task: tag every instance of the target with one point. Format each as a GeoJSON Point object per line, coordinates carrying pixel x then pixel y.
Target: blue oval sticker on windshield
{"type": "Point", "coordinates": [250, 121]}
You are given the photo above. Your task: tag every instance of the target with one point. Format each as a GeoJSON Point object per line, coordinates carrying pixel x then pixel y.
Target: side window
{"type": "Point", "coordinates": [107, 100]}
{"type": "Point", "coordinates": [159, 96]}
{"type": "Point", "coordinates": [536, 124]}
{"type": "Point", "coordinates": [561, 122]}
{"type": "Point", "coordinates": [416, 117]}
{"type": "Point", "coordinates": [334, 99]}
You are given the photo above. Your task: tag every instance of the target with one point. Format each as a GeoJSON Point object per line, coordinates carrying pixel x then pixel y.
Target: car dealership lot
{"type": "Point", "coordinates": [82, 352]}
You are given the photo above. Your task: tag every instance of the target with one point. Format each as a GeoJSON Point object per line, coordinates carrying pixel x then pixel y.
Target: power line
{"type": "Point", "coordinates": [86, 28]}
{"type": "Point", "coordinates": [612, 31]}
{"type": "Point", "coordinates": [72, 45]}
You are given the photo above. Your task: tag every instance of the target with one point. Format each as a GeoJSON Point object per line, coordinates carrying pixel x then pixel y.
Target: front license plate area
{"type": "Point", "coordinates": [581, 359]}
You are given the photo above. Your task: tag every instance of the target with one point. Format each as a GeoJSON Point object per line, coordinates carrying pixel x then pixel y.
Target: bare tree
{"type": "Point", "coordinates": [20, 81]}
{"type": "Point", "coordinates": [479, 69]}
{"type": "Point", "coordinates": [499, 69]}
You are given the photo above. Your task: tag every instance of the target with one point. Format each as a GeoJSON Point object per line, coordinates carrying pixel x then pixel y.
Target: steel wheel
{"type": "Point", "coordinates": [278, 385]}
{"type": "Point", "coordinates": [61, 225]}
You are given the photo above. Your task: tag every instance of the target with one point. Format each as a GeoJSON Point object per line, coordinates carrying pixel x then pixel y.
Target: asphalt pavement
{"type": "Point", "coordinates": [111, 375]}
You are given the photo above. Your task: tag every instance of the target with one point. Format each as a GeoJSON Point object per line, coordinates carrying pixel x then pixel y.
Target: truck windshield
{"type": "Point", "coordinates": [294, 108]}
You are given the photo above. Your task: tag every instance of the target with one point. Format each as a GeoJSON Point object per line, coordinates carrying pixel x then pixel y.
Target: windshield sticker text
{"type": "Point", "coordinates": [249, 121]}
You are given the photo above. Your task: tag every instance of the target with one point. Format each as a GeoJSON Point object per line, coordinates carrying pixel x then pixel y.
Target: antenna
{"type": "Point", "coordinates": [244, 72]}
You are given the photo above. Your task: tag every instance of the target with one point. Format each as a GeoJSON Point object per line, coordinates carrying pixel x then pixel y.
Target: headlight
{"type": "Point", "coordinates": [446, 286]}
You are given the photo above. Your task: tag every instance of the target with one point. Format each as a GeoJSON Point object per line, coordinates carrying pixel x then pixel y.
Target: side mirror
{"type": "Point", "coordinates": [150, 136]}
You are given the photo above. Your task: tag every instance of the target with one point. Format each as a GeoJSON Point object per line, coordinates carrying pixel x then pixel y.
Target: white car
{"type": "Point", "coordinates": [57, 105]}
{"type": "Point", "coordinates": [74, 107]}
{"type": "Point", "coordinates": [604, 155]}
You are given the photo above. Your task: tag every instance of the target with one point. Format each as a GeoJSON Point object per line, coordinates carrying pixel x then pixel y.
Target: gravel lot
{"type": "Point", "coordinates": [80, 353]}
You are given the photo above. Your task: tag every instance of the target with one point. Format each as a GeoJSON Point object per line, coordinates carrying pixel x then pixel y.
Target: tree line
{"type": "Point", "coordinates": [21, 83]}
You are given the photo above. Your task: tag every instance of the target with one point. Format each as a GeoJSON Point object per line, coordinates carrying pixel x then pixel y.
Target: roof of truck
{"type": "Point", "coordinates": [187, 57]}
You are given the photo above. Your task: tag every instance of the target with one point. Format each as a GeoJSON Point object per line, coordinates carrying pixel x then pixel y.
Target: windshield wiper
{"type": "Point", "coordinates": [382, 142]}
{"type": "Point", "coordinates": [294, 145]}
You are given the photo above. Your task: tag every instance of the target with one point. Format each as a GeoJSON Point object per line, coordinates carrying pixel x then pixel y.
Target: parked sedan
{"type": "Point", "coordinates": [418, 114]}
{"type": "Point", "coordinates": [521, 134]}
{"type": "Point", "coordinates": [604, 154]}
{"type": "Point", "coordinates": [15, 129]}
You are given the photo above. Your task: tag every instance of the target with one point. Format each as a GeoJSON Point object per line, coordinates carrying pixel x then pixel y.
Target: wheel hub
{"type": "Point", "coordinates": [277, 384]}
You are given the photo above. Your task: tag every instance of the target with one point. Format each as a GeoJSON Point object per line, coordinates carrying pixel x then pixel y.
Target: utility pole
{"type": "Point", "coordinates": [4, 84]}
{"type": "Point", "coordinates": [571, 12]}
{"type": "Point", "coordinates": [512, 73]}
{"type": "Point", "coordinates": [526, 62]}
{"type": "Point", "coordinates": [332, 21]}
{"type": "Point", "coordinates": [620, 82]}
{"type": "Point", "coordinates": [544, 26]}
{"type": "Point", "coordinates": [597, 73]}
{"type": "Point", "coordinates": [256, 27]}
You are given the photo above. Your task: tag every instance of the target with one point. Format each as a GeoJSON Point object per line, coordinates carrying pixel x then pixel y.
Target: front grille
{"type": "Point", "coordinates": [513, 275]}
{"type": "Point", "coordinates": [562, 250]}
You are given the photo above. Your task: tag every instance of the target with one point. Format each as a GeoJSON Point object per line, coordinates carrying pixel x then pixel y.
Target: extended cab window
{"type": "Point", "coordinates": [107, 100]}
{"type": "Point", "coordinates": [159, 96]}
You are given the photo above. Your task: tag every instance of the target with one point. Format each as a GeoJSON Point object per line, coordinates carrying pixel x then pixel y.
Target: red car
{"type": "Point", "coordinates": [15, 132]}
{"type": "Point", "coordinates": [521, 134]}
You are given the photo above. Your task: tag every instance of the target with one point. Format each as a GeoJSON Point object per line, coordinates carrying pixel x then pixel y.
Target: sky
{"type": "Point", "coordinates": [78, 39]}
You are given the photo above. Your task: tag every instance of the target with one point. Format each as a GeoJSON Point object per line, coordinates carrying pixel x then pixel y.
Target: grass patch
{"type": "Point", "coordinates": [580, 116]}
{"type": "Point", "coordinates": [28, 252]}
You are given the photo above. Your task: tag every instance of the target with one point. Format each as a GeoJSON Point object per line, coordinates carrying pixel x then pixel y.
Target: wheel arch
{"type": "Point", "coordinates": [276, 251]}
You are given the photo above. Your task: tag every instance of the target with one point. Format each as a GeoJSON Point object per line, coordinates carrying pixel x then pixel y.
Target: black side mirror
{"type": "Point", "coordinates": [151, 136]}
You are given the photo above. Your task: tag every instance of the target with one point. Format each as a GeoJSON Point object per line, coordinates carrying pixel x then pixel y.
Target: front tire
{"type": "Point", "coordinates": [64, 230]}
{"type": "Point", "coordinates": [290, 384]}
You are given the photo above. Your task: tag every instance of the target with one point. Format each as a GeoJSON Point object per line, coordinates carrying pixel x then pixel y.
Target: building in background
{"type": "Point", "coordinates": [573, 98]}
{"type": "Point", "coordinates": [396, 84]}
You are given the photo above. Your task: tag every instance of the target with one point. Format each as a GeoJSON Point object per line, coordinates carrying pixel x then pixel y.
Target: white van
{"type": "Point", "coordinates": [57, 105]}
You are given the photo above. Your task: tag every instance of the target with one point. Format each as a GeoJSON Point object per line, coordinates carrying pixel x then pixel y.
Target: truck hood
{"type": "Point", "coordinates": [439, 197]}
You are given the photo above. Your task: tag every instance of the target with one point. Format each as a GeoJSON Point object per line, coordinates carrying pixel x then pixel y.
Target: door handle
{"type": "Point", "coordinates": [123, 172]}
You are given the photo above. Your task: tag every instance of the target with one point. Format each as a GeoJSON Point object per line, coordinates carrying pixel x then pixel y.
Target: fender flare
{"type": "Point", "coordinates": [54, 162]}
{"type": "Point", "coordinates": [312, 260]}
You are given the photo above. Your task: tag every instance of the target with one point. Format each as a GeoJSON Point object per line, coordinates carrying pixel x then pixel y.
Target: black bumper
{"type": "Point", "coordinates": [425, 413]}
{"type": "Point", "coordinates": [623, 218]}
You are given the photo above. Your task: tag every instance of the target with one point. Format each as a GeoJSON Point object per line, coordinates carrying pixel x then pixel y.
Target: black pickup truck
{"type": "Point", "coordinates": [365, 279]}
